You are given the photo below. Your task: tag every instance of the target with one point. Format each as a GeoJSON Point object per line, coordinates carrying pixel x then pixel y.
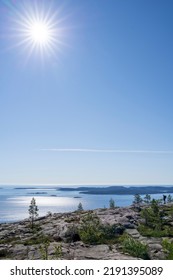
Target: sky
{"type": "Point", "coordinates": [94, 105]}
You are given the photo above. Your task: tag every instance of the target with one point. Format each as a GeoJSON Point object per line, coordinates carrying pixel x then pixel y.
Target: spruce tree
{"type": "Point", "coordinates": [169, 198]}
{"type": "Point", "coordinates": [80, 207]}
{"type": "Point", "coordinates": [137, 199]}
{"type": "Point", "coordinates": [111, 203]}
{"type": "Point", "coordinates": [147, 199]}
{"type": "Point", "coordinates": [33, 211]}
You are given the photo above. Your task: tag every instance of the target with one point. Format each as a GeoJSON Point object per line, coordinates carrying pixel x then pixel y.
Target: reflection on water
{"type": "Point", "coordinates": [17, 207]}
{"type": "Point", "coordinates": [43, 201]}
{"type": "Point", "coordinates": [14, 203]}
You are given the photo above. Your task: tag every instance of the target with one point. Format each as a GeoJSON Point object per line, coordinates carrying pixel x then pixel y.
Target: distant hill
{"type": "Point", "coordinates": [121, 190]}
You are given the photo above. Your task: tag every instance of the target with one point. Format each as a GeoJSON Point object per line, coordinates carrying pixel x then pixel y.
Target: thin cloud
{"type": "Point", "coordinates": [107, 151]}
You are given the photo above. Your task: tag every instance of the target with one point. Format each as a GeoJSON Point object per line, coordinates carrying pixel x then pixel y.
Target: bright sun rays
{"type": "Point", "coordinates": [38, 29]}
{"type": "Point", "coordinates": [40, 33]}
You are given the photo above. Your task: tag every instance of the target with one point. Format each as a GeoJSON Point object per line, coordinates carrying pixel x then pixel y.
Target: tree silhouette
{"type": "Point", "coordinates": [80, 207]}
{"type": "Point", "coordinates": [33, 211]}
{"type": "Point", "coordinates": [111, 203]}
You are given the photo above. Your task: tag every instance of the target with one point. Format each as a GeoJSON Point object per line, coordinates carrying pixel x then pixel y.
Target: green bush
{"type": "Point", "coordinates": [44, 250]}
{"type": "Point", "coordinates": [150, 232]}
{"type": "Point", "coordinates": [156, 221]}
{"type": "Point", "coordinates": [72, 234]}
{"type": "Point", "coordinates": [39, 239]}
{"type": "Point", "coordinates": [134, 247]}
{"type": "Point", "coordinates": [57, 252]}
{"type": "Point", "coordinates": [90, 235]}
{"type": "Point", "coordinates": [93, 232]}
{"type": "Point", "coordinates": [153, 216]}
{"type": "Point", "coordinates": [72, 220]}
{"type": "Point", "coordinates": [89, 231]}
{"type": "Point", "coordinates": [10, 240]}
{"type": "Point", "coordinates": [112, 231]}
{"type": "Point", "coordinates": [168, 248]}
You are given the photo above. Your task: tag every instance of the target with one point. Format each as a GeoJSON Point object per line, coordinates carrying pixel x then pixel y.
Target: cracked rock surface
{"type": "Point", "coordinates": [15, 237]}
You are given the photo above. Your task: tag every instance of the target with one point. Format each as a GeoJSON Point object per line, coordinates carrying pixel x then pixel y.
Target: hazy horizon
{"type": "Point", "coordinates": [82, 185]}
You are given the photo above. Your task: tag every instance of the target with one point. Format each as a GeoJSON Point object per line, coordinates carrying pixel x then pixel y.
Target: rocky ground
{"type": "Point", "coordinates": [18, 241]}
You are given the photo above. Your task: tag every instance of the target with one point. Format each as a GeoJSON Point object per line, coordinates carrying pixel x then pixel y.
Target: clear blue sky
{"type": "Point", "coordinates": [100, 109]}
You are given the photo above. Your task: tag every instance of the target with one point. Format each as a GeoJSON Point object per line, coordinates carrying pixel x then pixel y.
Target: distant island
{"type": "Point", "coordinates": [38, 193]}
{"type": "Point", "coordinates": [25, 188]}
{"type": "Point", "coordinates": [121, 190]}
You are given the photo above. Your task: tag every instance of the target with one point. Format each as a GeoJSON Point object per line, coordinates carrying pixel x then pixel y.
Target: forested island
{"type": "Point", "coordinates": [121, 190]}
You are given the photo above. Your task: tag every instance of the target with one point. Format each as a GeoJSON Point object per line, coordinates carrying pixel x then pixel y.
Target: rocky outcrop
{"type": "Point", "coordinates": [19, 241]}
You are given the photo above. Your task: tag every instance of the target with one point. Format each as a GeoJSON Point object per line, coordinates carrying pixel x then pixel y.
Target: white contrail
{"type": "Point", "coordinates": [108, 151]}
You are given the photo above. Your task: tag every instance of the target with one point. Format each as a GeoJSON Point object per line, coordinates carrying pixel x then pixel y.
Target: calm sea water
{"type": "Point", "coordinates": [14, 202]}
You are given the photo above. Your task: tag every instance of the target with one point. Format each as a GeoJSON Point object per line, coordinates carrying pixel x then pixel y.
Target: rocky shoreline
{"type": "Point", "coordinates": [55, 236]}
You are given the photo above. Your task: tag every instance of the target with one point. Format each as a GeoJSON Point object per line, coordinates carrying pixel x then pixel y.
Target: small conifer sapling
{"type": "Point", "coordinates": [111, 203]}
{"type": "Point", "coordinates": [33, 211]}
{"type": "Point", "coordinates": [80, 207]}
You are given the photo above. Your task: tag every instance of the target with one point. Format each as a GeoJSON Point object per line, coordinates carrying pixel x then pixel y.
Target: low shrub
{"type": "Point", "coordinates": [72, 220]}
{"type": "Point", "coordinates": [40, 239]}
{"type": "Point", "coordinates": [168, 248]}
{"type": "Point", "coordinates": [134, 247]}
{"type": "Point", "coordinates": [10, 240]}
{"type": "Point", "coordinates": [89, 230]}
{"type": "Point", "coordinates": [93, 232]}
{"type": "Point", "coordinates": [111, 232]}
{"type": "Point", "coordinates": [44, 250]}
{"type": "Point", "coordinates": [72, 234]}
{"type": "Point", "coordinates": [57, 252]}
{"type": "Point", "coordinates": [150, 232]}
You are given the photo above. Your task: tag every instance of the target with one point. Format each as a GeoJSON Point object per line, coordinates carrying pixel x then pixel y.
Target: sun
{"type": "Point", "coordinates": [40, 33]}
{"type": "Point", "coordinates": [38, 29]}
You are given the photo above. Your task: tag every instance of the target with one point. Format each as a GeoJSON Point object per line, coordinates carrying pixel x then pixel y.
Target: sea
{"type": "Point", "coordinates": [15, 200]}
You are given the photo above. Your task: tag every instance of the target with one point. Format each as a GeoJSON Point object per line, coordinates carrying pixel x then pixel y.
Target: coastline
{"type": "Point", "coordinates": [15, 202]}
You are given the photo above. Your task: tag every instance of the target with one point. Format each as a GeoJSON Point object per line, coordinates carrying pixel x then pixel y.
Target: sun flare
{"type": "Point", "coordinates": [40, 33]}
{"type": "Point", "coordinates": [38, 30]}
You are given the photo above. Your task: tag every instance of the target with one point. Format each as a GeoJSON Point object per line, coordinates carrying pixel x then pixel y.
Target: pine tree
{"type": "Point", "coordinates": [111, 203]}
{"type": "Point", "coordinates": [80, 207]}
{"type": "Point", "coordinates": [169, 198]}
{"type": "Point", "coordinates": [147, 199]}
{"type": "Point", "coordinates": [137, 199]}
{"type": "Point", "coordinates": [33, 211]}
